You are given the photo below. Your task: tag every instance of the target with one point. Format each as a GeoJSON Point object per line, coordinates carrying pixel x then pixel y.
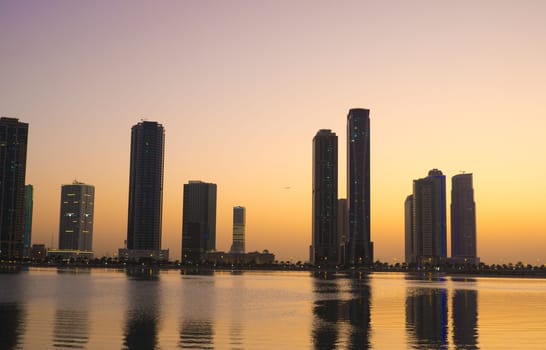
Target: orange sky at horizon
{"type": "Point", "coordinates": [241, 89]}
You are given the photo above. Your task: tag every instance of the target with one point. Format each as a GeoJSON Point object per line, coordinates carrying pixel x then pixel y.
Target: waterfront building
{"type": "Point", "coordinates": [408, 229]}
{"type": "Point", "coordinates": [145, 192]}
{"type": "Point", "coordinates": [429, 219]}
{"type": "Point", "coordinates": [198, 220]}
{"type": "Point", "coordinates": [324, 226]}
{"type": "Point", "coordinates": [29, 204]}
{"type": "Point", "coordinates": [463, 221]}
{"type": "Point", "coordinates": [251, 258]}
{"type": "Point", "coordinates": [76, 220]}
{"type": "Point", "coordinates": [13, 159]}
{"type": "Point", "coordinates": [342, 228]}
{"type": "Point", "coordinates": [239, 222]}
{"type": "Point", "coordinates": [359, 245]}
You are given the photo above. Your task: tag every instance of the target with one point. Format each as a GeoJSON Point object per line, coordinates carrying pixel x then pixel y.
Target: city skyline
{"type": "Point", "coordinates": [241, 88]}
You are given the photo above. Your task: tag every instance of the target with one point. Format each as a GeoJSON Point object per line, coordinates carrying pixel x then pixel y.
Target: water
{"type": "Point", "coordinates": [109, 309]}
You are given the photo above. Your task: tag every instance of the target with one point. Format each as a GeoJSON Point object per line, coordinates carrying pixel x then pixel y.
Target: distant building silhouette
{"type": "Point", "coordinates": [463, 220]}
{"type": "Point", "coordinates": [429, 219]}
{"type": "Point", "coordinates": [76, 219]}
{"type": "Point", "coordinates": [359, 245]}
{"type": "Point", "coordinates": [324, 227]}
{"type": "Point", "coordinates": [198, 220]}
{"type": "Point", "coordinates": [145, 192]}
{"type": "Point", "coordinates": [408, 223]}
{"type": "Point", "coordinates": [342, 227]}
{"type": "Point", "coordinates": [29, 204]}
{"type": "Point", "coordinates": [13, 159]}
{"type": "Point", "coordinates": [239, 222]}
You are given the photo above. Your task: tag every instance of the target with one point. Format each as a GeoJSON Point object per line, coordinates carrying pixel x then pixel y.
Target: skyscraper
{"type": "Point", "coordinates": [76, 217]}
{"type": "Point", "coordinates": [429, 219]}
{"type": "Point", "coordinates": [408, 223]}
{"type": "Point", "coordinates": [29, 204]}
{"type": "Point", "coordinates": [13, 159]}
{"type": "Point", "coordinates": [146, 192]}
{"type": "Point", "coordinates": [463, 220]}
{"type": "Point", "coordinates": [325, 241]}
{"type": "Point", "coordinates": [198, 220]}
{"type": "Point", "coordinates": [239, 221]}
{"type": "Point", "coordinates": [342, 228]}
{"type": "Point", "coordinates": [359, 245]}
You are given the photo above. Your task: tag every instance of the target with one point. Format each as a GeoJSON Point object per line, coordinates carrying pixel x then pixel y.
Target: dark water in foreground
{"type": "Point", "coordinates": [107, 309]}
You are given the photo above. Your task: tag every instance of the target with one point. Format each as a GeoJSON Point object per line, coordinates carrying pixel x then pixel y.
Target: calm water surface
{"type": "Point", "coordinates": [108, 309]}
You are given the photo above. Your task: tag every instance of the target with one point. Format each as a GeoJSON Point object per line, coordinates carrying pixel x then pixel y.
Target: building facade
{"type": "Point", "coordinates": [77, 217]}
{"type": "Point", "coordinates": [463, 220]}
{"type": "Point", "coordinates": [13, 158]}
{"type": "Point", "coordinates": [239, 223]}
{"type": "Point", "coordinates": [324, 226]}
{"type": "Point", "coordinates": [408, 230]}
{"type": "Point", "coordinates": [342, 228]}
{"type": "Point", "coordinates": [359, 249]}
{"type": "Point", "coordinates": [429, 219]}
{"type": "Point", "coordinates": [145, 189]}
{"type": "Point", "coordinates": [29, 205]}
{"type": "Point", "coordinates": [198, 221]}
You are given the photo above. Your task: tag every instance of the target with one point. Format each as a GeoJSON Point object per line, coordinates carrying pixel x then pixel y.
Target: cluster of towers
{"type": "Point", "coordinates": [341, 227]}
{"type": "Point", "coordinates": [425, 221]}
{"type": "Point", "coordinates": [146, 201]}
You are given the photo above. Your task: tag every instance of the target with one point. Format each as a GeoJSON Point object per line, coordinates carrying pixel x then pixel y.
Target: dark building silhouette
{"type": "Point", "coordinates": [239, 222]}
{"type": "Point", "coordinates": [29, 204]}
{"type": "Point", "coordinates": [426, 318]}
{"type": "Point", "coordinates": [13, 159]}
{"type": "Point", "coordinates": [324, 227]}
{"type": "Point", "coordinates": [359, 245]}
{"type": "Point", "coordinates": [145, 191]}
{"type": "Point", "coordinates": [465, 319]}
{"type": "Point", "coordinates": [198, 220]}
{"type": "Point", "coordinates": [342, 228]}
{"type": "Point", "coordinates": [76, 217]}
{"type": "Point", "coordinates": [463, 220]}
{"type": "Point", "coordinates": [429, 219]}
{"type": "Point", "coordinates": [408, 228]}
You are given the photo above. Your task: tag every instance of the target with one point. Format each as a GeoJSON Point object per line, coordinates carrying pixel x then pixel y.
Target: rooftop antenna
{"type": "Point", "coordinates": [462, 171]}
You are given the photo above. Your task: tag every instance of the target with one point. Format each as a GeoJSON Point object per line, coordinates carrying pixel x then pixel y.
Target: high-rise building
{"type": "Point", "coordinates": [76, 217]}
{"type": "Point", "coordinates": [342, 228]}
{"type": "Point", "coordinates": [29, 204]}
{"type": "Point", "coordinates": [408, 223]}
{"type": "Point", "coordinates": [239, 222]}
{"type": "Point", "coordinates": [324, 227]}
{"type": "Point", "coordinates": [145, 192]}
{"type": "Point", "coordinates": [13, 159]}
{"type": "Point", "coordinates": [429, 219]}
{"type": "Point", "coordinates": [463, 220]}
{"type": "Point", "coordinates": [359, 245]}
{"type": "Point", "coordinates": [198, 220]}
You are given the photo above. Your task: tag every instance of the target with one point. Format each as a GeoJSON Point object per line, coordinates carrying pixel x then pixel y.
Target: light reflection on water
{"type": "Point", "coordinates": [151, 309]}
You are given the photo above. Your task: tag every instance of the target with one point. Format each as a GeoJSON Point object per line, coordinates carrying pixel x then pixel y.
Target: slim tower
{"type": "Point", "coordinates": [325, 240]}
{"type": "Point", "coordinates": [429, 219]}
{"type": "Point", "coordinates": [76, 217]}
{"type": "Point", "coordinates": [408, 223]}
{"type": "Point", "coordinates": [29, 204]}
{"type": "Point", "coordinates": [359, 244]}
{"type": "Point", "coordinates": [463, 220]}
{"type": "Point", "coordinates": [239, 221]}
{"type": "Point", "coordinates": [342, 228]}
{"type": "Point", "coordinates": [146, 187]}
{"type": "Point", "coordinates": [13, 159]}
{"type": "Point", "coordinates": [198, 220]}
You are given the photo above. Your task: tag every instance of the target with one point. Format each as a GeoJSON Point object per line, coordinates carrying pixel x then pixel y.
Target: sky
{"type": "Point", "coordinates": [241, 88]}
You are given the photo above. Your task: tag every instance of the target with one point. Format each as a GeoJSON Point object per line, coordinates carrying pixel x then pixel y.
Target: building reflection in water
{"type": "Point", "coordinates": [339, 322]}
{"type": "Point", "coordinates": [11, 325]}
{"type": "Point", "coordinates": [71, 329]}
{"type": "Point", "coordinates": [426, 317]}
{"type": "Point", "coordinates": [197, 313]}
{"type": "Point", "coordinates": [142, 319]}
{"type": "Point", "coordinates": [465, 319]}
